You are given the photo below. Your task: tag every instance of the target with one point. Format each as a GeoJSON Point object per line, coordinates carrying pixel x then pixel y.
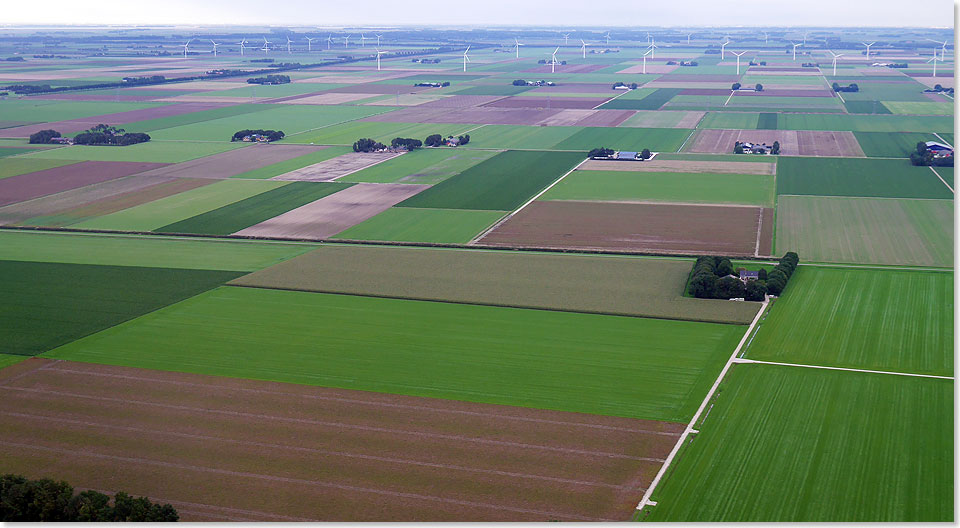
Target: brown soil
{"type": "Point", "coordinates": [642, 227]}
{"type": "Point", "coordinates": [130, 199]}
{"type": "Point", "coordinates": [766, 233]}
{"type": "Point", "coordinates": [581, 103]}
{"type": "Point", "coordinates": [332, 214]}
{"type": "Point", "coordinates": [606, 118]}
{"type": "Point", "coordinates": [716, 141]}
{"type": "Point", "coordinates": [229, 449]}
{"type": "Point", "coordinates": [822, 143]}
{"type": "Point", "coordinates": [233, 162]}
{"type": "Point", "coordinates": [337, 167]}
{"type": "Point", "coordinates": [471, 115]}
{"type": "Point", "coordinates": [41, 183]}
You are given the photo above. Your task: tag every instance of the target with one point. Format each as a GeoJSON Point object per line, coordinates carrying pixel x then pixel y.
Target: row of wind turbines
{"type": "Point", "coordinates": [265, 48]}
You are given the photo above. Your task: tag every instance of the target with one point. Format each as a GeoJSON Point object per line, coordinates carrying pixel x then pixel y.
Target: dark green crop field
{"type": "Point", "coordinates": [871, 178]}
{"type": "Point", "coordinates": [46, 305]}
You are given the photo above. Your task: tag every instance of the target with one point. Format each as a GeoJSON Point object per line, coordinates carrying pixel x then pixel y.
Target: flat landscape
{"type": "Point", "coordinates": [469, 273]}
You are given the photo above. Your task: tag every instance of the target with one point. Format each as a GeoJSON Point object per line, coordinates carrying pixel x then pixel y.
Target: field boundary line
{"type": "Point", "coordinates": [941, 179]}
{"type": "Point", "coordinates": [941, 139]}
{"type": "Point", "coordinates": [869, 197]}
{"type": "Point", "coordinates": [703, 405]}
{"type": "Point", "coordinates": [848, 369]}
{"type": "Point", "coordinates": [500, 222]}
{"type": "Point", "coordinates": [690, 135]}
{"type": "Point", "coordinates": [756, 251]}
{"type": "Point", "coordinates": [728, 98]}
{"type": "Point", "coordinates": [625, 92]}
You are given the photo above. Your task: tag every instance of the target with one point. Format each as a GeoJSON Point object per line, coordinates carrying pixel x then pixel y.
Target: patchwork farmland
{"type": "Point", "coordinates": [440, 283]}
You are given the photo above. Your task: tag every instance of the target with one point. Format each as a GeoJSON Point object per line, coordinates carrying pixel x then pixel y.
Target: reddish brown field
{"type": "Point", "coordinates": [380, 89]}
{"type": "Point", "coordinates": [642, 227]}
{"type": "Point", "coordinates": [568, 87]}
{"type": "Point", "coordinates": [686, 77]}
{"type": "Point", "coordinates": [580, 103]}
{"type": "Point", "coordinates": [473, 116]}
{"type": "Point", "coordinates": [78, 125]}
{"type": "Point", "coordinates": [228, 449]}
{"type": "Point", "coordinates": [461, 101]}
{"type": "Point", "coordinates": [716, 141]}
{"type": "Point", "coordinates": [233, 162]}
{"type": "Point", "coordinates": [568, 68]}
{"type": "Point", "coordinates": [41, 183]}
{"type": "Point", "coordinates": [766, 233]}
{"type": "Point", "coordinates": [823, 143]}
{"type": "Point", "coordinates": [606, 118]}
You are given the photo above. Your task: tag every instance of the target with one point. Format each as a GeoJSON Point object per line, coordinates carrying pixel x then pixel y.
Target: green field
{"type": "Point", "coordinates": [900, 321]}
{"type": "Point", "coordinates": [487, 89]}
{"type": "Point", "coordinates": [924, 107]}
{"type": "Point", "coordinates": [619, 366]}
{"type": "Point", "coordinates": [791, 444]}
{"type": "Point", "coordinates": [411, 224]}
{"type": "Point", "coordinates": [620, 285]}
{"type": "Point", "coordinates": [159, 213]}
{"type": "Point", "coordinates": [151, 152]}
{"type": "Point", "coordinates": [14, 151]}
{"type": "Point", "coordinates": [520, 137]}
{"type": "Point", "coordinates": [47, 304]}
{"type": "Point", "coordinates": [34, 110]}
{"type": "Point", "coordinates": [857, 177]}
{"type": "Point", "coordinates": [20, 165]}
{"type": "Point", "coordinates": [730, 120]}
{"type": "Point", "coordinates": [421, 166]}
{"type": "Point", "coordinates": [273, 90]}
{"type": "Point", "coordinates": [502, 183]}
{"type": "Point", "coordinates": [866, 123]}
{"type": "Point", "coordinates": [866, 230]}
{"type": "Point", "coordinates": [946, 173]}
{"type": "Point", "coordinates": [348, 133]}
{"type": "Point", "coordinates": [866, 107]}
{"type": "Point", "coordinates": [649, 102]}
{"type": "Point", "coordinates": [293, 164]}
{"type": "Point", "coordinates": [749, 189]}
{"type": "Point", "coordinates": [633, 139]}
{"type": "Point", "coordinates": [891, 144]}
{"type": "Point", "coordinates": [9, 359]}
{"type": "Point", "coordinates": [253, 210]}
{"type": "Point", "coordinates": [150, 125]}
{"type": "Point", "coordinates": [128, 250]}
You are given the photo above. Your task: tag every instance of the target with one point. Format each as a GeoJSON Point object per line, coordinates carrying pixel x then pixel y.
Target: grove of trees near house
{"type": "Point", "coordinates": [108, 135]}
{"type": "Point", "coordinates": [367, 145]}
{"type": "Point", "coordinates": [711, 279]}
{"type": "Point", "coordinates": [44, 136]}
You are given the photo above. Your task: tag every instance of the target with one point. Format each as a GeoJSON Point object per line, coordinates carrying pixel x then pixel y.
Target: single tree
{"type": "Point", "coordinates": [645, 154]}
{"type": "Point", "coordinates": [775, 149]}
{"type": "Point", "coordinates": [758, 87]}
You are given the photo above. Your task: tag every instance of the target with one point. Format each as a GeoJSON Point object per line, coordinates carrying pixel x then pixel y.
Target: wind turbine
{"type": "Point", "coordinates": [649, 37]}
{"type": "Point", "coordinates": [943, 50]}
{"type": "Point", "coordinates": [310, 43]}
{"type": "Point", "coordinates": [518, 46]}
{"type": "Point", "coordinates": [723, 47]}
{"type": "Point", "coordinates": [378, 58]}
{"type": "Point", "coordinates": [185, 46]}
{"type": "Point", "coordinates": [242, 46]}
{"type": "Point", "coordinates": [934, 60]}
{"type": "Point", "coordinates": [466, 59]}
{"type": "Point", "coordinates": [266, 45]}
{"type": "Point", "coordinates": [835, 57]}
{"type": "Point", "coordinates": [688, 38]}
{"type": "Point", "coordinates": [607, 36]}
{"type": "Point", "coordinates": [329, 41]}
{"type": "Point", "coordinates": [805, 33]}
{"type": "Point", "coordinates": [653, 46]}
{"type": "Point", "coordinates": [766, 37]}
{"type": "Point", "coordinates": [649, 51]}
{"type": "Point", "coordinates": [288, 44]}
{"type": "Point", "coordinates": [738, 59]}
{"type": "Point", "coordinates": [345, 40]}
{"type": "Point", "coordinates": [795, 46]}
{"type": "Point", "coordinates": [362, 39]}
{"type": "Point", "coordinates": [553, 60]}
{"type": "Point", "coordinates": [868, 48]}
{"type": "Point", "coordinates": [566, 38]}
{"type": "Point", "coordinates": [215, 44]}
{"type": "Point", "coordinates": [583, 48]}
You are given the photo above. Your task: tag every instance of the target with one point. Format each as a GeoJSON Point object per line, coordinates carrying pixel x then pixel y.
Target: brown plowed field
{"type": "Point", "coordinates": [651, 68]}
{"type": "Point", "coordinates": [233, 162]}
{"type": "Point", "coordinates": [568, 68]}
{"type": "Point", "coordinates": [606, 118]}
{"type": "Point", "coordinates": [716, 141]}
{"type": "Point", "coordinates": [689, 166]}
{"type": "Point", "coordinates": [230, 449]}
{"type": "Point", "coordinates": [824, 143]}
{"type": "Point", "coordinates": [323, 98]}
{"type": "Point", "coordinates": [581, 103]}
{"type": "Point", "coordinates": [120, 118]}
{"type": "Point", "coordinates": [461, 101]}
{"type": "Point", "coordinates": [467, 116]}
{"type": "Point", "coordinates": [766, 233]}
{"type": "Point", "coordinates": [642, 227]}
{"type": "Point", "coordinates": [41, 183]}
{"type": "Point", "coordinates": [568, 117]}
{"type": "Point", "coordinates": [332, 214]}
{"type": "Point", "coordinates": [380, 89]}
{"type": "Point", "coordinates": [337, 167]}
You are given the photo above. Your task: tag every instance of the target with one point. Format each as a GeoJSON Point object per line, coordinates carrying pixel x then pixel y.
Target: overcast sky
{"type": "Point", "coordinates": [923, 13]}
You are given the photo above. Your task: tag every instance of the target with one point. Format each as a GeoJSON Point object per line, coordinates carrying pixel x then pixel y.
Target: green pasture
{"type": "Point", "coordinates": [730, 120]}
{"type": "Point", "coordinates": [21, 165]}
{"type": "Point", "coordinates": [900, 321]}
{"type": "Point", "coordinates": [520, 137]}
{"type": "Point", "coordinates": [10, 359]}
{"type": "Point", "coordinates": [880, 178]}
{"type": "Point", "coordinates": [145, 251]}
{"type": "Point", "coordinates": [946, 173]}
{"type": "Point", "coordinates": [793, 444]}
{"type": "Point", "coordinates": [866, 230]}
{"type": "Point", "coordinates": [925, 107]}
{"type": "Point", "coordinates": [747, 189]}
{"type": "Point", "coordinates": [159, 213]}
{"type": "Point", "coordinates": [200, 116]}
{"type": "Point", "coordinates": [891, 144]}
{"type": "Point", "coordinates": [632, 139]}
{"type": "Point", "coordinates": [49, 304]}
{"type": "Point", "coordinates": [253, 210]}
{"type": "Point", "coordinates": [483, 89]}
{"type": "Point", "coordinates": [273, 90]}
{"type": "Point", "coordinates": [866, 123]}
{"type": "Point", "coordinates": [152, 152]}
{"type": "Point", "coordinates": [620, 366]}
{"type": "Point", "coordinates": [40, 110]}
{"type": "Point", "coordinates": [13, 151]}
{"type": "Point", "coordinates": [293, 164]}
{"type": "Point", "coordinates": [411, 224]}
{"type": "Point", "coordinates": [421, 166]}
{"type": "Point", "coordinates": [866, 107]}
{"type": "Point", "coordinates": [501, 183]}
{"type": "Point", "coordinates": [348, 133]}
{"type": "Point", "coordinates": [886, 91]}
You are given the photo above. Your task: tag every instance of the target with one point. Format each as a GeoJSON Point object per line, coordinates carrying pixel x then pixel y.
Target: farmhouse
{"type": "Point", "coordinates": [939, 150]}
{"type": "Point", "coordinates": [746, 275]}
{"type": "Point", "coordinates": [627, 155]}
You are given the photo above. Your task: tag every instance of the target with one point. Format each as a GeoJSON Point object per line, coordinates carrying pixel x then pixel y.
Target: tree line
{"type": "Point", "coordinates": [269, 79]}
{"type": "Point", "coordinates": [271, 135]}
{"type": "Point", "coordinates": [108, 135]}
{"type": "Point", "coordinates": [713, 278]}
{"type": "Point", "coordinates": [46, 500]}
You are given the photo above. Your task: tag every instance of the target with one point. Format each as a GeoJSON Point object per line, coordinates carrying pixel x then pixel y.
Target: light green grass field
{"type": "Point", "coordinates": [20, 165]}
{"type": "Point", "coordinates": [146, 251]}
{"type": "Point", "coordinates": [40, 110]}
{"type": "Point", "coordinates": [520, 137]}
{"type": "Point", "coordinates": [421, 166]}
{"type": "Point", "coordinates": [410, 224]}
{"type": "Point", "coordinates": [347, 133]}
{"type": "Point", "coordinates": [900, 321]}
{"type": "Point", "coordinates": [731, 120]}
{"type": "Point", "coordinates": [150, 125]}
{"type": "Point", "coordinates": [921, 108]}
{"type": "Point", "coordinates": [891, 144]}
{"type": "Point", "coordinates": [792, 444]}
{"type": "Point", "coordinates": [159, 213]}
{"type": "Point", "coordinates": [882, 91]}
{"type": "Point", "coordinates": [865, 123]}
{"type": "Point", "coordinates": [153, 152]}
{"type": "Point", "coordinates": [866, 230]}
{"type": "Point", "coordinates": [293, 164]}
{"type": "Point", "coordinates": [10, 359]}
{"type": "Point", "coordinates": [748, 189]}
{"type": "Point", "coordinates": [619, 366]}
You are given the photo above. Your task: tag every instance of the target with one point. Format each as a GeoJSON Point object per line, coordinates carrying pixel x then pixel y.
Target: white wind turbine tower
{"type": "Point", "coordinates": [805, 33]}
{"type": "Point", "coordinates": [688, 38]}
{"type": "Point", "coordinates": [378, 58]}
{"type": "Point", "coordinates": [795, 46]}
{"type": "Point", "coordinates": [934, 60]}
{"type": "Point", "coordinates": [517, 46]}
{"type": "Point", "coordinates": [868, 48]}
{"type": "Point", "coordinates": [583, 48]}
{"type": "Point", "coordinates": [649, 37]}
{"type": "Point", "coordinates": [266, 46]}
{"type": "Point", "coordinates": [835, 57]}
{"type": "Point", "coordinates": [738, 59]}
{"type": "Point", "coordinates": [215, 44]}
{"type": "Point", "coordinates": [242, 46]}
{"type": "Point", "coordinates": [466, 59]}
{"type": "Point", "coordinates": [649, 51]}
{"type": "Point", "coordinates": [723, 47]}
{"type": "Point", "coordinates": [329, 41]}
{"type": "Point", "coordinates": [346, 39]}
{"type": "Point", "coordinates": [943, 50]}
{"type": "Point", "coordinates": [310, 43]}
{"type": "Point", "coordinates": [185, 46]}
{"type": "Point", "coordinates": [362, 39]}
{"type": "Point", "coordinates": [553, 60]}
{"type": "Point", "coordinates": [288, 44]}
{"type": "Point", "coordinates": [766, 37]}
{"type": "Point", "coordinates": [566, 38]}
{"type": "Point", "coordinates": [653, 46]}
{"type": "Point", "coordinates": [378, 40]}
{"type": "Point", "coordinates": [607, 36]}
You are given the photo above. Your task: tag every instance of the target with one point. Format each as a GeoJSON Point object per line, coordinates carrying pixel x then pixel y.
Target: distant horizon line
{"type": "Point", "coordinates": [27, 25]}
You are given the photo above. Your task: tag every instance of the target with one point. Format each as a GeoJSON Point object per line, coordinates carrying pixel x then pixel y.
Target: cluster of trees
{"type": "Point", "coordinates": [924, 157]}
{"type": "Point", "coordinates": [939, 88]}
{"type": "Point", "coordinates": [443, 84]}
{"type": "Point", "coordinates": [149, 79]}
{"type": "Point", "coordinates": [14, 59]}
{"type": "Point", "coordinates": [898, 65]}
{"type": "Point", "coordinates": [545, 61]}
{"type": "Point", "coordinates": [108, 135]}
{"type": "Point", "coordinates": [46, 500]}
{"type": "Point", "coordinates": [852, 87]}
{"type": "Point", "coordinates": [602, 152]}
{"type": "Point", "coordinates": [632, 86]}
{"type": "Point", "coordinates": [736, 86]}
{"type": "Point", "coordinates": [810, 65]}
{"type": "Point", "coordinates": [711, 279]}
{"type": "Point", "coordinates": [738, 148]}
{"type": "Point", "coordinates": [436, 140]}
{"type": "Point", "coordinates": [271, 135]}
{"type": "Point", "coordinates": [407, 143]}
{"type": "Point", "coordinates": [28, 88]}
{"type": "Point", "coordinates": [367, 145]}
{"type": "Point", "coordinates": [44, 136]}
{"type": "Point", "coordinates": [269, 79]}
{"type": "Point", "coordinates": [761, 63]}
